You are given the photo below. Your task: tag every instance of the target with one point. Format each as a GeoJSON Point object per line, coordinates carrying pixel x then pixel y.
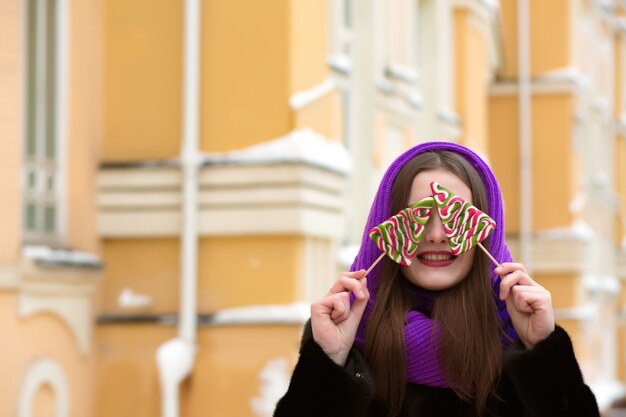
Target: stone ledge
{"type": "Point", "coordinates": [234, 199]}
{"type": "Point", "coordinates": [554, 254]}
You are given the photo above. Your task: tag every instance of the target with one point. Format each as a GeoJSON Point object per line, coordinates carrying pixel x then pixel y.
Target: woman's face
{"type": "Point", "coordinates": [434, 267]}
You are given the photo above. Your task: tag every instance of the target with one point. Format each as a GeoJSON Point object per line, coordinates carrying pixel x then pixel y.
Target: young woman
{"type": "Point", "coordinates": [447, 335]}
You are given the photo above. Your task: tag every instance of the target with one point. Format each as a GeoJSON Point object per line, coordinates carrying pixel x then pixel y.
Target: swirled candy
{"type": "Point", "coordinates": [399, 235]}
{"type": "Point", "coordinates": [464, 224]}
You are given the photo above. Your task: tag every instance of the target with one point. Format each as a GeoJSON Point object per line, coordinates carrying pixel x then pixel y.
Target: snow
{"type": "Point", "coordinates": [274, 383]}
{"type": "Point", "coordinates": [346, 255]}
{"type": "Point", "coordinates": [586, 312]}
{"type": "Point", "coordinates": [579, 230]}
{"type": "Point", "coordinates": [606, 392]}
{"type": "Point", "coordinates": [606, 284]}
{"type": "Point", "coordinates": [296, 313]}
{"type": "Point", "coordinates": [129, 299]}
{"type": "Point", "coordinates": [302, 145]}
{"type": "Point", "coordinates": [304, 98]}
{"type": "Point", "coordinates": [340, 62]}
{"type": "Point", "coordinates": [48, 256]}
{"type": "Point", "coordinates": [567, 74]}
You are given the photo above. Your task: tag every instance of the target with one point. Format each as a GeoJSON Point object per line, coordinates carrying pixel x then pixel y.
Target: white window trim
{"type": "Point", "coordinates": [62, 104]}
{"type": "Point", "coordinates": [41, 372]}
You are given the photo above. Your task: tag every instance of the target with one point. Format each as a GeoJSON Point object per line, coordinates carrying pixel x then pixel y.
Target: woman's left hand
{"type": "Point", "coordinates": [528, 304]}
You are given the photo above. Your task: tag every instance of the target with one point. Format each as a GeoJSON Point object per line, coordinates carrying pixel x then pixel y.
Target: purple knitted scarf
{"type": "Point", "coordinates": [421, 333]}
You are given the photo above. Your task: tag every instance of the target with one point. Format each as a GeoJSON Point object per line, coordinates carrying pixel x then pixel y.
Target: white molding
{"type": "Point", "coordinates": [63, 107]}
{"type": "Point", "coordinates": [555, 254]}
{"type": "Point", "coordinates": [272, 221]}
{"type": "Point", "coordinates": [234, 199]}
{"type": "Point", "coordinates": [566, 80]}
{"type": "Point", "coordinates": [42, 372]}
{"type": "Point", "coordinates": [63, 291]}
{"type": "Point", "coordinates": [9, 276]}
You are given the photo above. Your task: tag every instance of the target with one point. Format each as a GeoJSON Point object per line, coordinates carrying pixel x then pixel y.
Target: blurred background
{"type": "Point", "coordinates": [179, 179]}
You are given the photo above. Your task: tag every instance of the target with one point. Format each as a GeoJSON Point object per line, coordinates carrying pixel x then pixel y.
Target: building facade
{"type": "Point", "coordinates": [50, 268]}
{"type": "Point", "coordinates": [181, 179]}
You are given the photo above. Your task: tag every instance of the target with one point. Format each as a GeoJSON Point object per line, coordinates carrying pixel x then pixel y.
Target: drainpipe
{"type": "Point", "coordinates": [525, 129]}
{"type": "Point", "coordinates": [176, 357]}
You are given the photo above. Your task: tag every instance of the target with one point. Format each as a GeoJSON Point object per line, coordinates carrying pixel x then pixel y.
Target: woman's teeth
{"type": "Point", "coordinates": [435, 257]}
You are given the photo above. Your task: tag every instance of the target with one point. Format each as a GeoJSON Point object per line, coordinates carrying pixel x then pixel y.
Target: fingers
{"type": "Point", "coordinates": [336, 304]}
{"type": "Point", "coordinates": [513, 275]}
{"type": "Point", "coordinates": [350, 282]}
{"type": "Point", "coordinates": [530, 299]}
{"type": "Point", "coordinates": [341, 307]}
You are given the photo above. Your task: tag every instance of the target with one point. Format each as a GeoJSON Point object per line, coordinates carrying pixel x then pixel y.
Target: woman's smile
{"type": "Point", "coordinates": [436, 259]}
{"type": "Point", "coordinates": [435, 267]}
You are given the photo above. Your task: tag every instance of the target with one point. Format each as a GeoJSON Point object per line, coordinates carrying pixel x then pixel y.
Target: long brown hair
{"type": "Point", "coordinates": [470, 347]}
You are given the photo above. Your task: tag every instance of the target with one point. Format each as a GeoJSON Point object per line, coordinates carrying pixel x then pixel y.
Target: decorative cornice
{"type": "Point", "coordinates": [234, 199]}
{"type": "Point", "coordinates": [555, 254]}
{"type": "Point", "coordinates": [61, 290]}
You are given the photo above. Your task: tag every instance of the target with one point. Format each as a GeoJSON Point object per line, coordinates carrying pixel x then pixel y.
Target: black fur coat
{"type": "Point", "coordinates": [543, 382]}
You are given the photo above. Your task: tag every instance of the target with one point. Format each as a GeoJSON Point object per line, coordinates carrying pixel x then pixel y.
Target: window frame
{"type": "Point", "coordinates": [44, 135]}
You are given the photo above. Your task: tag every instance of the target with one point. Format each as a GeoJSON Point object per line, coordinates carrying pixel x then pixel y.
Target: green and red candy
{"type": "Point", "coordinates": [464, 224]}
{"type": "Point", "coordinates": [400, 235]}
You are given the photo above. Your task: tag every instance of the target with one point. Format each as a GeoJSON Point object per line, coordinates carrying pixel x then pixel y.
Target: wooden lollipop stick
{"type": "Point", "coordinates": [488, 254]}
{"type": "Point", "coordinates": [382, 255]}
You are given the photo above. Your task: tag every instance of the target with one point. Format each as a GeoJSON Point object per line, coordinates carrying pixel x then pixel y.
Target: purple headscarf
{"type": "Point", "coordinates": [423, 366]}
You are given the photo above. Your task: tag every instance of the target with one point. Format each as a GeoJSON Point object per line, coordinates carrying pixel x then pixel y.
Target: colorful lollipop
{"type": "Point", "coordinates": [464, 224]}
{"type": "Point", "coordinates": [400, 235]}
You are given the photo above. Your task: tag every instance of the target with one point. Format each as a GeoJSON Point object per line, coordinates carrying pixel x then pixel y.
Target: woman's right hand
{"type": "Point", "coordinates": [334, 321]}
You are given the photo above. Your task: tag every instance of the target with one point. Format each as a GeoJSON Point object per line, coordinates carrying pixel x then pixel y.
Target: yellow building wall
{"type": "Point", "coordinates": [504, 154]}
{"type": "Point", "coordinates": [143, 79]}
{"type": "Point", "coordinates": [308, 55]}
{"type": "Point", "coordinates": [11, 80]}
{"type": "Point", "coordinates": [254, 56]}
{"type": "Point", "coordinates": [246, 76]}
{"type": "Point", "coordinates": [620, 188]}
{"type": "Point", "coordinates": [551, 158]}
{"type": "Point", "coordinates": [620, 139]}
{"type": "Point", "coordinates": [565, 288]}
{"type": "Point", "coordinates": [552, 161]}
{"type": "Point", "coordinates": [146, 266]}
{"type": "Point", "coordinates": [621, 352]}
{"type": "Point", "coordinates": [471, 80]}
{"type": "Point", "coordinates": [549, 36]}
{"type": "Point", "coordinates": [325, 116]}
{"type": "Point", "coordinates": [226, 375]}
{"type": "Point", "coordinates": [85, 128]}
{"type": "Point", "coordinates": [249, 270]}
{"type": "Point", "coordinates": [42, 336]}
{"type": "Point", "coordinates": [232, 271]}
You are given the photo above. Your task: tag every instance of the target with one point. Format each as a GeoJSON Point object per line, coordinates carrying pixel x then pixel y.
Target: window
{"type": "Point", "coordinates": [42, 168]}
{"type": "Point", "coordinates": [401, 36]}
{"type": "Point", "coordinates": [341, 35]}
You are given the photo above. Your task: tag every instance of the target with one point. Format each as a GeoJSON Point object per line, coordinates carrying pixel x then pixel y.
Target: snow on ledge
{"type": "Point", "coordinates": [606, 284]}
{"type": "Point", "coordinates": [346, 255]}
{"type": "Point", "coordinates": [606, 392]}
{"type": "Point", "coordinates": [297, 313]}
{"type": "Point", "coordinates": [579, 230]}
{"type": "Point", "coordinates": [303, 145]}
{"type": "Point", "coordinates": [567, 74]}
{"type": "Point", "coordinates": [303, 98]}
{"type": "Point", "coordinates": [47, 256]}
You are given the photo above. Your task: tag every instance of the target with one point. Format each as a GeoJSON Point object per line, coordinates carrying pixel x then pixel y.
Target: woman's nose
{"type": "Point", "coordinates": [434, 231]}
